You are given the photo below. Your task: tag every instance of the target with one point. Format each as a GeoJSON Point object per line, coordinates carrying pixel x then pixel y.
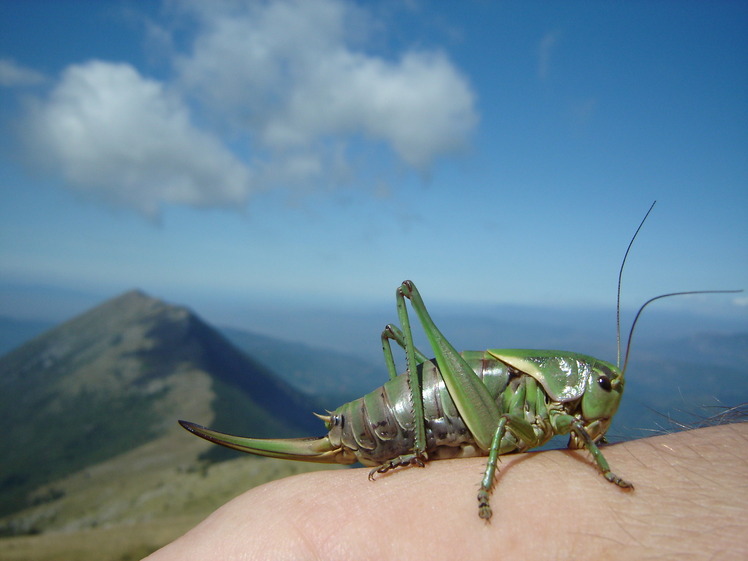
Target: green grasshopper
{"type": "Point", "coordinates": [474, 403]}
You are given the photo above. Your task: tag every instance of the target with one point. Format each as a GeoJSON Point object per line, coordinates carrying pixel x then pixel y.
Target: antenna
{"type": "Point", "coordinates": [618, 300]}
{"type": "Point", "coordinates": [633, 325]}
{"type": "Point", "coordinates": [647, 303]}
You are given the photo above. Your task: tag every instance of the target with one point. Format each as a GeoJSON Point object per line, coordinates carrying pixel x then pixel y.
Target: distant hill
{"type": "Point", "coordinates": [674, 384]}
{"type": "Point", "coordinates": [331, 377]}
{"type": "Point", "coordinates": [117, 378]}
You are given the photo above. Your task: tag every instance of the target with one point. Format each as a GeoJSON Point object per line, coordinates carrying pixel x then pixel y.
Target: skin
{"type": "Point", "coordinates": [690, 503]}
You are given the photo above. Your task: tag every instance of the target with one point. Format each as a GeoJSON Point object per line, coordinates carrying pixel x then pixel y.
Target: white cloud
{"type": "Point", "coordinates": [286, 82]}
{"type": "Point", "coordinates": [120, 138]}
{"type": "Point", "coordinates": [12, 74]}
{"type": "Point", "coordinates": [286, 72]}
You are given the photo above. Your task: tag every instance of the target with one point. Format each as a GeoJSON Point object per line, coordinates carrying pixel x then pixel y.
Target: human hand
{"type": "Point", "coordinates": [691, 501]}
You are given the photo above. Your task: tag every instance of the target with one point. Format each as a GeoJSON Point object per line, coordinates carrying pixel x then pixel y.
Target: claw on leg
{"type": "Point", "coordinates": [415, 459]}
{"type": "Point", "coordinates": [613, 478]}
{"type": "Point", "coordinates": [484, 509]}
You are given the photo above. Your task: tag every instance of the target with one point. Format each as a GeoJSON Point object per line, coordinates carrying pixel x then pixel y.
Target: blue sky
{"type": "Point", "coordinates": [231, 154]}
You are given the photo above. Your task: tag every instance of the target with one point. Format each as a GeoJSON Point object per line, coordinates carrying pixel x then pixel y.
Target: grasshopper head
{"type": "Point", "coordinates": [601, 398]}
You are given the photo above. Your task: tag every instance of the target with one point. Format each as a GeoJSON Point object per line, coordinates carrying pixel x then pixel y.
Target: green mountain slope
{"type": "Point", "coordinates": [118, 377]}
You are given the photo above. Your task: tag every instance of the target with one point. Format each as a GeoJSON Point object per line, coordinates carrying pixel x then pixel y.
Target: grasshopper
{"type": "Point", "coordinates": [462, 404]}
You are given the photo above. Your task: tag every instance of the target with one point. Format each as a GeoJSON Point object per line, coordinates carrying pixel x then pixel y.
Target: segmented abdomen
{"type": "Point", "coordinates": [380, 426]}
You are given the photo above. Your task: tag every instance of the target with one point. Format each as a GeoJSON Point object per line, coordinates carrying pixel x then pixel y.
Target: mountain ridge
{"type": "Point", "coordinates": [119, 376]}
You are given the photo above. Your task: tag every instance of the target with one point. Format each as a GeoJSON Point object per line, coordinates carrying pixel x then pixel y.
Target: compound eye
{"type": "Point", "coordinates": [604, 383]}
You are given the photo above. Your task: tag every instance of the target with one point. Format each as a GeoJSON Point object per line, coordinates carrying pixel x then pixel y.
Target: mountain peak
{"type": "Point", "coordinates": [134, 295]}
{"type": "Point", "coordinates": [126, 306]}
{"type": "Point", "coordinates": [119, 376]}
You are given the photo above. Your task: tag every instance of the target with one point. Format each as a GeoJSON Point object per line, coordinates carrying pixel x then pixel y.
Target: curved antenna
{"type": "Point", "coordinates": [618, 299]}
{"type": "Point", "coordinates": [648, 302]}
